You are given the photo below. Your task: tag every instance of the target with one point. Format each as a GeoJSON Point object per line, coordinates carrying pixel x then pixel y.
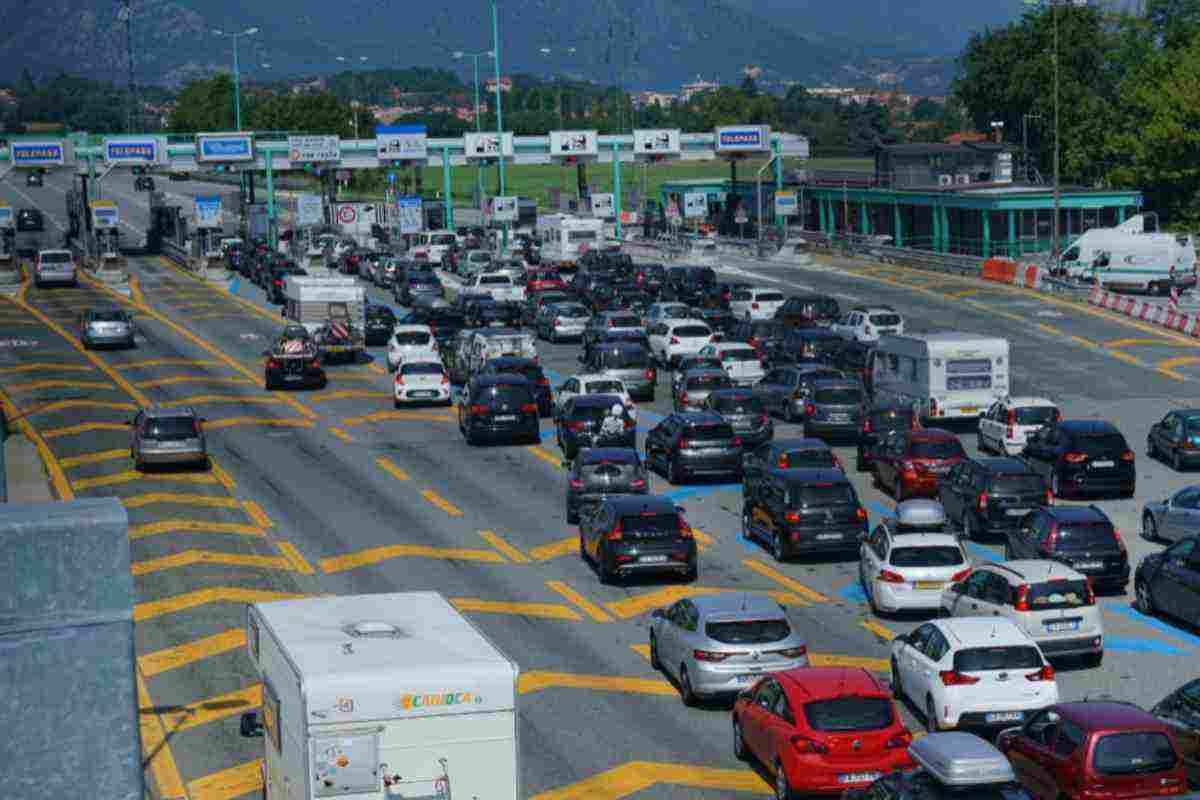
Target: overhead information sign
{"type": "Point", "coordinates": [310, 210]}
{"type": "Point", "coordinates": [409, 214]}
{"type": "Point", "coordinates": [401, 143]}
{"type": "Point", "coordinates": [208, 211]}
{"type": "Point", "coordinates": [487, 145]}
{"type": "Point", "coordinates": [504, 209]}
{"type": "Point", "coordinates": [45, 153]}
{"type": "Point", "coordinates": [224, 147]}
{"type": "Point", "coordinates": [743, 139]}
{"type": "Point", "coordinates": [656, 142]}
{"type": "Point", "coordinates": [602, 205]}
{"type": "Point", "coordinates": [6, 216]}
{"type": "Point", "coordinates": [314, 149]}
{"type": "Point", "coordinates": [574, 143]}
{"type": "Point", "coordinates": [105, 215]}
{"type": "Point", "coordinates": [135, 151]}
{"type": "Point", "coordinates": [695, 204]}
{"type": "Point", "coordinates": [785, 204]}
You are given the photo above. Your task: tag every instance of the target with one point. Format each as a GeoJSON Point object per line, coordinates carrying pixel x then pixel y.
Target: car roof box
{"type": "Point", "coordinates": [961, 759]}
{"type": "Point", "coordinates": [920, 513]}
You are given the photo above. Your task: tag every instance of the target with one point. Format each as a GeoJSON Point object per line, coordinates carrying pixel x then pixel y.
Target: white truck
{"type": "Point", "coordinates": [380, 697]}
{"type": "Point", "coordinates": [497, 285]}
{"type": "Point", "coordinates": [565, 239]}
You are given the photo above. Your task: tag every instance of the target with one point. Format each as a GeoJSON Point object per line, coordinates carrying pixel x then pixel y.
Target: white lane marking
{"type": "Point", "coordinates": [1051, 314]}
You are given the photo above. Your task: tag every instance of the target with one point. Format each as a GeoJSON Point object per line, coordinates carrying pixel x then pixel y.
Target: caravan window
{"type": "Point", "coordinates": [975, 373]}
{"type": "Point", "coordinates": [581, 236]}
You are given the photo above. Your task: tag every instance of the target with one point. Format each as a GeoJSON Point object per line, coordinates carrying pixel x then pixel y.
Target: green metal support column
{"type": "Point", "coordinates": [897, 225]}
{"type": "Point", "coordinates": [447, 187]}
{"type": "Point", "coordinates": [778, 146]}
{"type": "Point", "coordinates": [1120, 214]}
{"type": "Point", "coordinates": [936, 244]}
{"type": "Point", "coordinates": [864, 219]}
{"type": "Point", "coordinates": [987, 234]}
{"type": "Point", "coordinates": [821, 215]}
{"type": "Point", "coordinates": [945, 230]}
{"type": "Point", "coordinates": [616, 154]}
{"type": "Point", "coordinates": [1012, 235]}
{"type": "Point", "coordinates": [269, 156]}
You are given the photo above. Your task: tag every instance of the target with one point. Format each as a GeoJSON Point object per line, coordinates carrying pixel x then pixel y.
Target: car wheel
{"type": "Point", "coordinates": [898, 491]}
{"type": "Point", "coordinates": [739, 742]}
{"type": "Point", "coordinates": [573, 517]}
{"type": "Point", "coordinates": [1176, 461]}
{"type": "Point", "coordinates": [583, 548]}
{"type": "Point", "coordinates": [1151, 447]}
{"type": "Point", "coordinates": [607, 575]}
{"type": "Point", "coordinates": [139, 465]}
{"type": "Point", "coordinates": [931, 720]}
{"type": "Point", "coordinates": [1055, 485]}
{"type": "Point", "coordinates": [693, 573]}
{"type": "Point", "coordinates": [980, 445]}
{"type": "Point", "coordinates": [1144, 598]}
{"type": "Point", "coordinates": [675, 472]}
{"type": "Point", "coordinates": [778, 547]}
{"type": "Point", "coordinates": [783, 789]}
{"type": "Point", "coordinates": [686, 693]}
{"type": "Point", "coordinates": [654, 662]}
{"type": "Point", "coordinates": [897, 686]}
{"type": "Point", "coordinates": [1093, 660]}
{"type": "Point", "coordinates": [968, 528]}
{"type": "Point", "coordinates": [1149, 528]}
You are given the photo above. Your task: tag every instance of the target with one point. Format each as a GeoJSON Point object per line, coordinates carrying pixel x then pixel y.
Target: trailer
{"type": "Point", "coordinates": [381, 697]}
{"type": "Point", "coordinates": [565, 239]}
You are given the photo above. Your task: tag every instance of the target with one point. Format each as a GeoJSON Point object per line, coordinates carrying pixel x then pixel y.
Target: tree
{"type": "Point", "coordinates": [749, 87]}
{"type": "Point", "coordinates": [927, 110]}
{"type": "Point", "coordinates": [1173, 23]}
{"type": "Point", "coordinates": [207, 105]}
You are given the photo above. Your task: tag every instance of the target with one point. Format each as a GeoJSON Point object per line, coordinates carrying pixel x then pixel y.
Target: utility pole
{"type": "Point", "coordinates": [499, 113]}
{"type": "Point", "coordinates": [1057, 186]}
{"type": "Point", "coordinates": [126, 14]}
{"type": "Point", "coordinates": [1025, 140]}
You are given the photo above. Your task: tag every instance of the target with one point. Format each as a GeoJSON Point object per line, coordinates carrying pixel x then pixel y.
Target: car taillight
{"type": "Point", "coordinates": [640, 483]}
{"type": "Point", "coordinates": [650, 374]}
{"type": "Point", "coordinates": [575, 426]}
{"type": "Point", "coordinates": [860, 514]}
{"type": "Point", "coordinates": [1046, 673]}
{"type": "Point", "coordinates": [529, 408]}
{"type": "Point", "coordinates": [278, 282]}
{"type": "Point", "coordinates": [1022, 603]}
{"type": "Point", "coordinates": [960, 575]}
{"type": "Point", "coordinates": [933, 407]}
{"type": "Point", "coordinates": [1075, 458]}
{"type": "Point", "coordinates": [478, 409]}
{"type": "Point", "coordinates": [1120, 541]}
{"type": "Point", "coordinates": [709, 655]}
{"type": "Point", "coordinates": [754, 306]}
{"type": "Point", "coordinates": [792, 517]}
{"type": "Point", "coordinates": [1127, 455]}
{"type": "Point", "coordinates": [1049, 497]}
{"type": "Point", "coordinates": [612, 323]}
{"type": "Point", "coordinates": [837, 462]}
{"type": "Point", "coordinates": [952, 677]}
{"type": "Point", "coordinates": [683, 398]}
{"type": "Point", "coordinates": [576, 483]}
{"type": "Point", "coordinates": [982, 503]}
{"type": "Point", "coordinates": [674, 340]}
{"type": "Point", "coordinates": [902, 739]}
{"type": "Point", "coordinates": [399, 379]}
{"type": "Point", "coordinates": [803, 744]}
{"type": "Point", "coordinates": [543, 381]}
{"type": "Point", "coordinates": [866, 428]}
{"type": "Point", "coordinates": [809, 409]}
{"type": "Point", "coordinates": [558, 321]}
{"type": "Point", "coordinates": [908, 467]}
{"type": "Point", "coordinates": [630, 424]}
{"type": "Point", "coordinates": [617, 533]}
{"type": "Point", "coordinates": [887, 576]}
{"type": "Point", "coordinates": [273, 364]}
{"type": "Point", "coordinates": [685, 530]}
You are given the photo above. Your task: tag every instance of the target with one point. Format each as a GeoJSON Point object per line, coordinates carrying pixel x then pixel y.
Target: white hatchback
{"type": "Point", "coordinates": [907, 571]}
{"type": "Point", "coordinates": [661, 312]}
{"type": "Point", "coordinates": [671, 340]}
{"type": "Point", "coordinates": [867, 324]}
{"type": "Point", "coordinates": [421, 382]}
{"type": "Point", "coordinates": [755, 302]}
{"type": "Point", "coordinates": [976, 672]}
{"type": "Point", "coordinates": [578, 385]}
{"type": "Point", "coordinates": [411, 343]}
{"type": "Point", "coordinates": [1006, 426]}
{"type": "Point", "coordinates": [739, 360]}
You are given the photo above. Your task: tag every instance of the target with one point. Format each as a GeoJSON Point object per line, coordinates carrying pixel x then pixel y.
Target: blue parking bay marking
{"type": "Point", "coordinates": [853, 592]}
{"type": "Point", "coordinates": [1134, 645]}
{"type": "Point", "coordinates": [1120, 607]}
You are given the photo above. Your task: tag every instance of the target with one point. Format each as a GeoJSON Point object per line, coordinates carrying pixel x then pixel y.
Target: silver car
{"type": "Point", "coordinates": [168, 436]}
{"type": "Point", "coordinates": [1172, 518]}
{"type": "Point", "coordinates": [720, 644]}
{"type": "Point", "coordinates": [629, 363]}
{"type": "Point", "coordinates": [107, 327]}
{"type": "Point", "coordinates": [558, 321]}
{"type": "Point", "coordinates": [692, 391]}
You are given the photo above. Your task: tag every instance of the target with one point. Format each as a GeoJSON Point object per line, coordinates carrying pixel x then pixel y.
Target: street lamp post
{"type": "Point", "coordinates": [1025, 140]}
{"type": "Point", "coordinates": [353, 110]}
{"type": "Point", "coordinates": [546, 51]}
{"type": "Point", "coordinates": [499, 113]}
{"type": "Point", "coordinates": [237, 82]}
{"type": "Point", "coordinates": [459, 54]}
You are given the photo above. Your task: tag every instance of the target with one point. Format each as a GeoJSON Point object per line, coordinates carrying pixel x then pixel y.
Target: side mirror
{"type": "Point", "coordinates": [955, 588]}
{"type": "Point", "coordinates": [902, 638]}
{"type": "Point", "coordinates": [251, 726]}
{"type": "Point", "coordinates": [657, 614]}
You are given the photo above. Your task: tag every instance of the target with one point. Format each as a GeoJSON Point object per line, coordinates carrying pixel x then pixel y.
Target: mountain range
{"type": "Point", "coordinates": [638, 43]}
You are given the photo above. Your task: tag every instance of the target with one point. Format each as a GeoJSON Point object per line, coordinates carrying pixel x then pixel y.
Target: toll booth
{"type": "Point", "coordinates": [103, 245]}
{"type": "Point", "coordinates": [8, 238]}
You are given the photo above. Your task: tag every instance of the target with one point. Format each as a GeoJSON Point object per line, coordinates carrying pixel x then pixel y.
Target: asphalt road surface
{"type": "Point", "coordinates": [333, 491]}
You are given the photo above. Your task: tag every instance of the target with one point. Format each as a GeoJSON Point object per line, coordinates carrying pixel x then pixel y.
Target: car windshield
{"type": "Point", "coordinates": [56, 258]}
{"type": "Point", "coordinates": [1035, 415]}
{"type": "Point", "coordinates": [738, 405]}
{"type": "Point", "coordinates": [982, 659]}
{"type": "Point", "coordinates": [1136, 752]}
{"type": "Point", "coordinates": [1018, 484]}
{"type": "Point", "coordinates": [838, 397]}
{"type": "Point", "coordinates": [604, 387]}
{"type": "Point", "coordinates": [940, 556]}
{"type": "Point", "coordinates": [849, 714]}
{"type": "Point", "coordinates": [746, 354]}
{"type": "Point", "coordinates": [885, 320]}
{"type": "Point", "coordinates": [1086, 536]}
{"type": "Point", "coordinates": [691, 331]}
{"type": "Point", "coordinates": [798, 459]}
{"type": "Point", "coordinates": [530, 372]}
{"type": "Point", "coordinates": [108, 316]}
{"type": "Point", "coordinates": [1102, 445]}
{"type": "Point", "coordinates": [823, 494]}
{"type": "Point", "coordinates": [572, 311]}
{"type": "Point", "coordinates": [750, 631]}
{"type": "Point", "coordinates": [1057, 594]}
{"type": "Point", "coordinates": [651, 524]}
{"type": "Point", "coordinates": [941, 449]}
{"type": "Point", "coordinates": [171, 428]}
{"type": "Point", "coordinates": [411, 338]}
{"type": "Point", "coordinates": [425, 368]}
{"type": "Point", "coordinates": [512, 395]}
{"type": "Point", "coordinates": [624, 359]}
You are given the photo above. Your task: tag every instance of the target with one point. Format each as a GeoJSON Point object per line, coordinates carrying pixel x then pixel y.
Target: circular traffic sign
{"type": "Point", "coordinates": [346, 215]}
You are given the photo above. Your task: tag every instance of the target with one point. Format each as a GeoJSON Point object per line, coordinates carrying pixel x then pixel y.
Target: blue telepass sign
{"type": "Point", "coordinates": [135, 150]}
{"type": "Point", "coordinates": [224, 147]}
{"type": "Point", "coordinates": [49, 153]}
{"type": "Point", "coordinates": [743, 138]}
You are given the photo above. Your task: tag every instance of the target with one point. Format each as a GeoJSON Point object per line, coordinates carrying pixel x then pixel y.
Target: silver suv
{"type": "Point", "coordinates": [1049, 601]}
{"type": "Point", "coordinates": [168, 436]}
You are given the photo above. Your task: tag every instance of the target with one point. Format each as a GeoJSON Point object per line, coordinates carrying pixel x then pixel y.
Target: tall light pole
{"type": "Point", "coordinates": [459, 54]}
{"type": "Point", "coordinates": [237, 88]}
{"type": "Point", "coordinates": [125, 14]}
{"type": "Point", "coordinates": [353, 110]}
{"type": "Point", "coordinates": [1025, 140]}
{"type": "Point", "coordinates": [499, 112]}
{"type": "Point", "coordinates": [570, 51]}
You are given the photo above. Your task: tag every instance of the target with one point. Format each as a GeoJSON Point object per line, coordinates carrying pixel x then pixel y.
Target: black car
{"type": "Point", "coordinates": [806, 346]}
{"type": "Point", "coordinates": [412, 284]}
{"type": "Point", "coordinates": [688, 284]}
{"type": "Point", "coordinates": [624, 534]}
{"type": "Point", "coordinates": [1168, 582]}
{"type": "Point", "coordinates": [531, 371]}
{"type": "Point", "coordinates": [1082, 537]}
{"type": "Point", "coordinates": [878, 425]}
{"type": "Point", "coordinates": [807, 511]}
{"type": "Point", "coordinates": [650, 277]}
{"type": "Point", "coordinates": [1181, 709]}
{"type": "Point", "coordinates": [484, 312]}
{"type": "Point", "coordinates": [143, 183]}
{"type": "Point", "coordinates": [761, 334]}
{"type": "Point", "coordinates": [34, 179]}
{"type": "Point", "coordinates": [587, 421]}
{"type": "Point", "coordinates": [852, 358]}
{"type": "Point", "coordinates": [721, 320]}
{"type": "Point", "coordinates": [990, 496]}
{"type": "Point", "coordinates": [1175, 439]}
{"type": "Point", "coordinates": [745, 413]}
{"type": "Point", "coordinates": [293, 362]}
{"type": "Point", "coordinates": [30, 219]}
{"type": "Point", "coordinates": [380, 322]}
{"type": "Point", "coordinates": [809, 311]}
{"type": "Point", "coordinates": [833, 409]}
{"type": "Point", "coordinates": [444, 323]}
{"type": "Point", "coordinates": [1080, 457]}
{"type": "Point", "coordinates": [601, 472]}
{"type": "Point", "coordinates": [788, 454]}
{"type": "Point", "coordinates": [498, 407]}
{"type": "Point", "coordinates": [686, 444]}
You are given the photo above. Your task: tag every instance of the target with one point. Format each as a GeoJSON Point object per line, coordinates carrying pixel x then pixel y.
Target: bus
{"type": "Point", "coordinates": [565, 239]}
{"type": "Point", "coordinates": [945, 375]}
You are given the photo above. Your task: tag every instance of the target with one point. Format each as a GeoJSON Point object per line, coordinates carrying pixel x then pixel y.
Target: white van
{"type": "Point", "coordinates": [943, 375]}
{"type": "Point", "coordinates": [55, 266]}
{"type": "Point", "coordinates": [373, 697]}
{"type": "Point", "coordinates": [1150, 263]}
{"type": "Point", "coordinates": [433, 244]}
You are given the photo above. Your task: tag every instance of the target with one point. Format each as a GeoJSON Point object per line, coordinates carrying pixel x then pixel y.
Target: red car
{"type": "Point", "coordinates": [1094, 750]}
{"type": "Point", "coordinates": [911, 466]}
{"type": "Point", "coordinates": [821, 730]}
{"type": "Point", "coordinates": [542, 280]}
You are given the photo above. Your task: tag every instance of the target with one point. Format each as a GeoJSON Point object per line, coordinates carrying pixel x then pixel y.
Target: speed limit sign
{"type": "Point", "coordinates": [346, 215]}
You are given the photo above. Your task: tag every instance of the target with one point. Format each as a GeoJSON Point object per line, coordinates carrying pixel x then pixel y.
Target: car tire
{"type": "Point", "coordinates": [778, 548]}
{"type": "Point", "coordinates": [783, 789]}
{"type": "Point", "coordinates": [607, 576]}
{"type": "Point", "coordinates": [931, 720]}
{"type": "Point", "coordinates": [139, 465]}
{"type": "Point", "coordinates": [739, 742]}
{"type": "Point", "coordinates": [573, 518]}
{"type": "Point", "coordinates": [675, 474]}
{"type": "Point", "coordinates": [1151, 448]}
{"type": "Point", "coordinates": [1144, 599]}
{"type": "Point", "coordinates": [897, 686]}
{"type": "Point", "coordinates": [686, 693]}
{"type": "Point", "coordinates": [693, 573]}
{"type": "Point", "coordinates": [980, 445]}
{"type": "Point", "coordinates": [397, 404]}
{"type": "Point", "coordinates": [1093, 660]}
{"type": "Point", "coordinates": [1177, 462]}
{"type": "Point", "coordinates": [1149, 528]}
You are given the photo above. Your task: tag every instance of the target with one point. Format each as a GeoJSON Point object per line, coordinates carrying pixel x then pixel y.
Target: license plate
{"type": "Point", "coordinates": [1017, 512]}
{"type": "Point", "coordinates": [1102, 464]}
{"type": "Point", "coordinates": [929, 584]}
{"type": "Point", "coordinates": [828, 536]}
{"type": "Point", "coordinates": [969, 409]}
{"type": "Point", "coordinates": [839, 417]}
{"type": "Point", "coordinates": [747, 678]}
{"type": "Point", "coordinates": [423, 394]}
{"type": "Point", "coordinates": [1089, 565]}
{"type": "Point", "coordinates": [1005, 716]}
{"type": "Point", "coordinates": [506, 418]}
{"type": "Point", "coordinates": [293, 377]}
{"type": "Point", "coordinates": [710, 451]}
{"type": "Point", "coordinates": [1055, 627]}
{"type": "Point", "coordinates": [859, 777]}
{"type": "Point", "coordinates": [652, 559]}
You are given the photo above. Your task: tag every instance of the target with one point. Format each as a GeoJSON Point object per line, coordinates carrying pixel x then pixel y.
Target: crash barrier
{"type": "Point", "coordinates": [3, 463]}
{"type": "Point", "coordinates": [1155, 314]}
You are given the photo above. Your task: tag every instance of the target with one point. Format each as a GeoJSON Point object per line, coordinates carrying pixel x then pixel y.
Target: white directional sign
{"type": "Point", "coordinates": [313, 149]}
{"type": "Point", "coordinates": [574, 143]}
{"type": "Point", "coordinates": [602, 205]}
{"type": "Point", "coordinates": [105, 215]}
{"type": "Point", "coordinates": [401, 143]}
{"type": "Point", "coordinates": [504, 209]}
{"type": "Point", "coordinates": [656, 142]}
{"type": "Point", "coordinates": [695, 204]}
{"type": "Point", "coordinates": [487, 145]}
{"type": "Point", "coordinates": [409, 212]}
{"type": "Point", "coordinates": [310, 209]}
{"type": "Point", "coordinates": [785, 204]}
{"type": "Point", "coordinates": [208, 211]}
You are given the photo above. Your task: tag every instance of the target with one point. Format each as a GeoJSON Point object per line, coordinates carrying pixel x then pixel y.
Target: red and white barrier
{"type": "Point", "coordinates": [1145, 311]}
{"type": "Point", "coordinates": [1002, 270]}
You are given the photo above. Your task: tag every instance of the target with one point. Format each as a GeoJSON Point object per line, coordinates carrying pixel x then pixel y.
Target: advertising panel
{"type": "Point", "coordinates": [314, 149]}
{"type": "Point", "coordinates": [602, 205]}
{"type": "Point", "coordinates": [208, 211]}
{"type": "Point", "coordinates": [743, 139]}
{"type": "Point", "coordinates": [409, 212]}
{"type": "Point", "coordinates": [695, 205]}
{"type": "Point", "coordinates": [574, 143]}
{"type": "Point", "coordinates": [487, 145]}
{"type": "Point", "coordinates": [656, 142]}
{"type": "Point", "coordinates": [105, 215]}
{"type": "Point", "coordinates": [504, 209]}
{"type": "Point", "coordinates": [224, 147]}
{"type": "Point", "coordinates": [785, 204]}
{"type": "Point", "coordinates": [138, 151]}
{"type": "Point", "coordinates": [401, 143]}
{"type": "Point", "coordinates": [310, 209]}
{"type": "Point", "coordinates": [46, 153]}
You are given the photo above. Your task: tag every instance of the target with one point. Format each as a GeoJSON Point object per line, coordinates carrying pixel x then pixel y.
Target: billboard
{"type": "Point", "coordinates": [656, 142]}
{"type": "Point", "coordinates": [487, 145]}
{"type": "Point", "coordinates": [565, 144]}
{"type": "Point", "coordinates": [310, 209]}
{"type": "Point", "coordinates": [105, 215]}
{"type": "Point", "coordinates": [401, 143]}
{"type": "Point", "coordinates": [208, 211]}
{"type": "Point", "coordinates": [314, 149]}
{"type": "Point", "coordinates": [743, 139]}
{"type": "Point", "coordinates": [135, 151]}
{"type": "Point", "coordinates": [785, 204]}
{"type": "Point", "coordinates": [224, 147]}
{"type": "Point", "coordinates": [46, 153]}
{"type": "Point", "coordinates": [602, 205]}
{"type": "Point", "coordinates": [695, 205]}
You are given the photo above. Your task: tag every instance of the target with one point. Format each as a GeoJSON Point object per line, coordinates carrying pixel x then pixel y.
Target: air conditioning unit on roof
{"type": "Point", "coordinates": [945, 180]}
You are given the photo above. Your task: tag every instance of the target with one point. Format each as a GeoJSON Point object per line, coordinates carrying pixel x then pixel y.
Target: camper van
{"type": "Point", "coordinates": [381, 696]}
{"type": "Point", "coordinates": [944, 376]}
{"type": "Point", "coordinates": [565, 239]}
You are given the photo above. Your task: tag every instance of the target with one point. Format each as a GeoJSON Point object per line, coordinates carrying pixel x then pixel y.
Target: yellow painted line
{"type": "Point", "coordinates": [783, 580]}
{"type": "Point", "coordinates": [351, 394]}
{"type": "Point", "coordinates": [539, 680]}
{"type": "Point", "coordinates": [177, 379]}
{"type": "Point", "coordinates": [884, 633]}
{"type": "Point", "coordinates": [233, 422]}
{"type": "Point", "coordinates": [199, 500]}
{"type": "Point", "coordinates": [562, 547]}
{"type": "Point", "coordinates": [442, 503]}
{"type": "Point", "coordinates": [661, 598]}
{"type": "Point", "coordinates": [155, 747]}
{"type": "Point", "coordinates": [256, 514]}
{"type": "Point", "coordinates": [193, 715]}
{"type": "Point", "coordinates": [208, 399]}
{"type": "Point", "coordinates": [1171, 374]}
{"type": "Point", "coordinates": [1132, 342]}
{"type": "Point", "coordinates": [375, 555]}
{"type": "Point", "coordinates": [130, 476]}
{"type": "Point", "coordinates": [64, 405]}
{"type": "Point", "coordinates": [33, 386]}
{"type": "Point", "coordinates": [203, 597]}
{"type": "Point", "coordinates": [341, 434]}
{"type": "Point", "coordinates": [167, 362]}
{"type": "Point", "coordinates": [1084, 342]}
{"type": "Point", "coordinates": [639, 776]}
{"type": "Point", "coordinates": [58, 477]}
{"type": "Point", "coordinates": [224, 478]}
{"type": "Point", "coordinates": [546, 455]}
{"type": "Point", "coordinates": [228, 783]}
{"type": "Point", "coordinates": [510, 552]}
{"type": "Point", "coordinates": [964, 292]}
{"type": "Point", "coordinates": [702, 537]}
{"type": "Point", "coordinates": [174, 657]}
{"type": "Point", "coordinates": [833, 660]}
{"type": "Point", "coordinates": [402, 416]}
{"type": "Point", "coordinates": [642, 650]}
{"type": "Point", "coordinates": [191, 526]}
{"type": "Point", "coordinates": [588, 607]}
{"type": "Point", "coordinates": [135, 290]}
{"type": "Point", "coordinates": [295, 558]}
{"type": "Point", "coordinates": [542, 610]}
{"type": "Point", "coordinates": [390, 467]}
{"type": "Point", "coordinates": [1128, 359]}
{"type": "Point", "coordinates": [190, 558]}
{"type": "Point", "coordinates": [378, 370]}
{"type": "Point", "coordinates": [213, 315]}
{"type": "Point", "coordinates": [44, 367]}
{"type": "Point", "coordinates": [1172, 363]}
{"type": "Point", "coordinates": [94, 458]}
{"type": "Point", "coordinates": [1050, 329]}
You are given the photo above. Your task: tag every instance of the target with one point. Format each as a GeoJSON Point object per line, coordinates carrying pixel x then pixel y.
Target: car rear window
{"type": "Point", "coordinates": [940, 556]}
{"type": "Point", "coordinates": [427, 368]}
{"type": "Point", "coordinates": [691, 331]}
{"type": "Point", "coordinates": [840, 397]}
{"type": "Point", "coordinates": [885, 320]}
{"type": "Point", "coordinates": [740, 354]}
{"type": "Point", "coordinates": [823, 494]}
{"type": "Point", "coordinates": [171, 428]}
{"type": "Point", "coordinates": [412, 337]}
{"type": "Point", "coordinates": [849, 714]}
{"type": "Point", "coordinates": [612, 471]}
{"type": "Point", "coordinates": [798, 459]}
{"type": "Point", "coordinates": [530, 372]}
{"type": "Point", "coordinates": [738, 405]}
{"type": "Point", "coordinates": [604, 387]}
{"type": "Point", "coordinates": [514, 395]}
{"type": "Point", "coordinates": [495, 280]}
{"type": "Point", "coordinates": [982, 659]}
{"type": "Point", "coordinates": [56, 258]}
{"type": "Point", "coordinates": [740, 294]}
{"type": "Point", "coordinates": [706, 431]}
{"type": "Point", "coordinates": [769, 297]}
{"type": "Point", "coordinates": [650, 524]}
{"type": "Point", "coordinates": [1035, 415]}
{"type": "Point", "coordinates": [573, 311]}
{"type": "Point", "coordinates": [624, 321]}
{"type": "Point", "coordinates": [1018, 484]}
{"type": "Point", "coordinates": [749, 631]}
{"type": "Point", "coordinates": [1136, 752]}
{"type": "Point", "coordinates": [108, 316]}
{"type": "Point", "coordinates": [942, 449]}
{"type": "Point", "coordinates": [625, 359]}
{"type": "Point", "coordinates": [1052, 595]}
{"type": "Point", "coordinates": [1108, 445]}
{"type": "Point", "coordinates": [1086, 536]}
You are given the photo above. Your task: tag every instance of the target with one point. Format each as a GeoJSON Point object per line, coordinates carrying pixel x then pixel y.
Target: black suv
{"type": "Point", "coordinates": [807, 345]}
{"type": "Point", "coordinates": [797, 511]}
{"type": "Point", "coordinates": [1083, 538]}
{"type": "Point", "coordinates": [498, 407]}
{"type": "Point", "coordinates": [745, 413]}
{"type": "Point", "coordinates": [624, 534]}
{"type": "Point", "coordinates": [1082, 457]}
{"type": "Point", "coordinates": [694, 443]}
{"type": "Point", "coordinates": [586, 421]}
{"type": "Point", "coordinates": [531, 371]}
{"type": "Point", "coordinates": [809, 311]}
{"type": "Point", "coordinates": [444, 322]}
{"type": "Point", "coordinates": [879, 424]}
{"type": "Point", "coordinates": [990, 496]}
{"type": "Point", "coordinates": [30, 219]}
{"type": "Point", "coordinates": [380, 322]}
{"type": "Point", "coordinates": [688, 284]}
{"type": "Point", "coordinates": [853, 358]}
{"type": "Point", "coordinates": [650, 277]}
{"type": "Point", "coordinates": [599, 472]}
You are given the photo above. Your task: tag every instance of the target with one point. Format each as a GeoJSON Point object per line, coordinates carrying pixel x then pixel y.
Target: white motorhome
{"type": "Point", "coordinates": [1081, 252]}
{"type": "Point", "coordinates": [944, 376]}
{"type": "Point", "coordinates": [376, 697]}
{"type": "Point", "coordinates": [312, 301]}
{"type": "Point", "coordinates": [565, 238]}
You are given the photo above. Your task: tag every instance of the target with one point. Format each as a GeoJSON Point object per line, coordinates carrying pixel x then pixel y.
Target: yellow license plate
{"type": "Point", "coordinates": [969, 410]}
{"type": "Point", "coordinates": [929, 584]}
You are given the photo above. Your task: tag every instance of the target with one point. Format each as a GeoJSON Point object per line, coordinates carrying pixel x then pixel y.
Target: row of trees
{"type": "Point", "coordinates": [75, 103]}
